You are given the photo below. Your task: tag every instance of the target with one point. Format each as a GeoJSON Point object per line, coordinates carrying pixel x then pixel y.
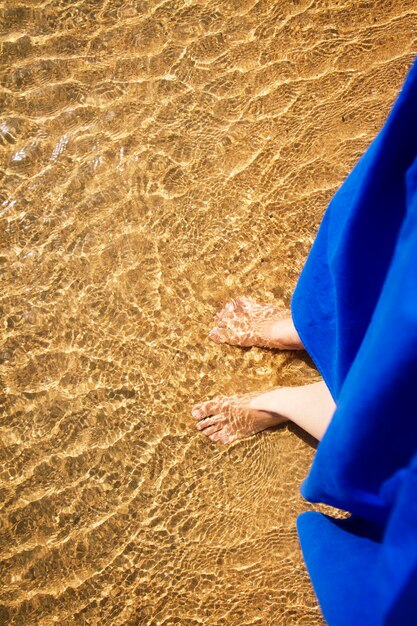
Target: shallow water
{"type": "Point", "coordinates": [158, 159]}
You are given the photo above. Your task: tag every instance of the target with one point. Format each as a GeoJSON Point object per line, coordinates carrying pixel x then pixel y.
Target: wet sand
{"type": "Point", "coordinates": [157, 160]}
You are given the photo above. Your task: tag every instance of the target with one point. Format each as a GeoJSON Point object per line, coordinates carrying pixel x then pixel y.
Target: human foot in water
{"type": "Point", "coordinates": [227, 418]}
{"type": "Point", "coordinates": [245, 322]}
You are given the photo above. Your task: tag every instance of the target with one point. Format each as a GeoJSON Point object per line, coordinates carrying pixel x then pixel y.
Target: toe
{"type": "Point", "coordinates": [204, 409]}
{"type": "Point", "coordinates": [240, 304]}
{"type": "Point", "coordinates": [227, 311]}
{"type": "Point", "coordinates": [210, 421]}
{"type": "Point", "coordinates": [223, 314]}
{"type": "Point", "coordinates": [225, 437]}
{"type": "Point", "coordinates": [244, 301]}
{"type": "Point", "coordinates": [214, 334]}
{"type": "Point", "coordinates": [218, 335]}
{"type": "Point", "coordinates": [211, 430]}
{"type": "Point", "coordinates": [215, 436]}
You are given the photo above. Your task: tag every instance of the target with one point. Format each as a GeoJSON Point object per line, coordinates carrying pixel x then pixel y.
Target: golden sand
{"type": "Point", "coordinates": [158, 159]}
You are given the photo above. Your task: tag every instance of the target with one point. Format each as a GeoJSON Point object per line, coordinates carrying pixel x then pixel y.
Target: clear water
{"type": "Point", "coordinates": [157, 160]}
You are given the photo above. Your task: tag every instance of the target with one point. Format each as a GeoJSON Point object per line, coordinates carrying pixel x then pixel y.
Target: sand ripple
{"type": "Point", "coordinates": [159, 158]}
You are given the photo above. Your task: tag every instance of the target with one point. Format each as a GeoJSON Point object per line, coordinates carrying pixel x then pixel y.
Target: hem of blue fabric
{"type": "Point", "coordinates": [320, 499]}
{"type": "Point", "coordinates": [308, 347]}
{"type": "Point", "coordinates": [333, 569]}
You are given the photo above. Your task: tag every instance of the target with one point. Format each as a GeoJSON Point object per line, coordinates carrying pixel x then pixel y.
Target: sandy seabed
{"type": "Point", "coordinates": [157, 160]}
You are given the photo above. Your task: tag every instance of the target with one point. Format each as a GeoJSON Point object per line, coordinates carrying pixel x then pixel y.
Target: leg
{"type": "Point", "coordinates": [310, 406]}
{"type": "Point", "coordinates": [227, 418]}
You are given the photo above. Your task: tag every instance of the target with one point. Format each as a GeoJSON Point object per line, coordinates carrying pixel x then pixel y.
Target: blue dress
{"type": "Point", "coordinates": [355, 309]}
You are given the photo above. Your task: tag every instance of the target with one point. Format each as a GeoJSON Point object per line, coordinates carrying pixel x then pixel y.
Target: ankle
{"type": "Point", "coordinates": [280, 334]}
{"type": "Point", "coordinates": [270, 402]}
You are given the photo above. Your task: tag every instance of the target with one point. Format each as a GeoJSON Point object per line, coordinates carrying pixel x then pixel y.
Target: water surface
{"type": "Point", "coordinates": [158, 159]}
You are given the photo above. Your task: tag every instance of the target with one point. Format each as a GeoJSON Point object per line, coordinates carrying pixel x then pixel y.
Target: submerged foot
{"type": "Point", "coordinates": [227, 418]}
{"type": "Point", "coordinates": [245, 322]}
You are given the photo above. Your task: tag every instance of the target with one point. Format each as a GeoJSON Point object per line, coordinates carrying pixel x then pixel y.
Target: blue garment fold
{"type": "Point", "coordinates": [355, 308]}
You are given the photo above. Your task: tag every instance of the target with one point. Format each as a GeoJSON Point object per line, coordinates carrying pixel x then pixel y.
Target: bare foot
{"type": "Point", "coordinates": [245, 322]}
{"type": "Point", "coordinates": [227, 418]}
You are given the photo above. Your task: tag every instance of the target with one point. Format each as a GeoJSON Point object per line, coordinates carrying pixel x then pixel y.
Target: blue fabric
{"type": "Point", "coordinates": [355, 308]}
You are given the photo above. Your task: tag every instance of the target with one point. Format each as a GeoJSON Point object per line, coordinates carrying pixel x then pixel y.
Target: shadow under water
{"type": "Point", "coordinates": [158, 159]}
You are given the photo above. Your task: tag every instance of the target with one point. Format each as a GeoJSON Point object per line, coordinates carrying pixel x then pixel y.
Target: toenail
{"type": "Point", "coordinates": [196, 413]}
